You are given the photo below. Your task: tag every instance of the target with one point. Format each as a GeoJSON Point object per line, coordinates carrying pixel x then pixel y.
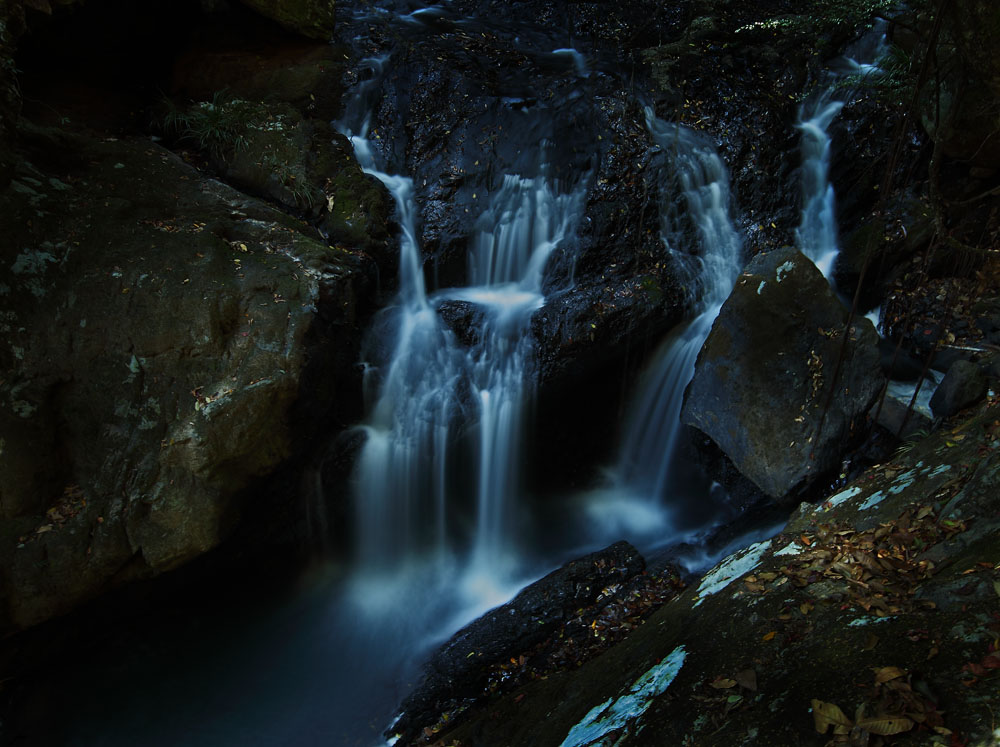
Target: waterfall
{"type": "Point", "coordinates": [525, 221]}
{"type": "Point", "coordinates": [401, 506]}
{"type": "Point", "coordinates": [816, 235]}
{"type": "Point", "coordinates": [449, 421]}
{"type": "Point", "coordinates": [702, 239]}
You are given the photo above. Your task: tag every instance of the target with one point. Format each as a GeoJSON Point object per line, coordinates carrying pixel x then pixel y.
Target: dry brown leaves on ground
{"type": "Point", "coordinates": [897, 705]}
{"type": "Point", "coordinates": [877, 570]}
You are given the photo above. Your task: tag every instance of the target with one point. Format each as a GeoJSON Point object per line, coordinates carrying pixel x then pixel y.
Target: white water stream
{"type": "Point", "coordinates": [817, 234]}
{"type": "Point", "coordinates": [646, 501]}
{"type": "Point", "coordinates": [448, 421]}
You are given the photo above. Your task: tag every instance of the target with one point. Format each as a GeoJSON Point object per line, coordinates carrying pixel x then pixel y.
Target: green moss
{"type": "Point", "coordinates": [312, 18]}
{"type": "Point", "coordinates": [653, 290]}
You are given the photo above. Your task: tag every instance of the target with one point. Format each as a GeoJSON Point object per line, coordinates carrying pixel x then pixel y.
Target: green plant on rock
{"type": "Point", "coordinates": [910, 443]}
{"type": "Point", "coordinates": [892, 80]}
{"type": "Point", "coordinates": [215, 127]}
{"type": "Point", "coordinates": [296, 184]}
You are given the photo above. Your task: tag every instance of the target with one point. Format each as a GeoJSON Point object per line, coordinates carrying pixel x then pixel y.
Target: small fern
{"type": "Point", "coordinates": [907, 446]}
{"type": "Point", "coordinates": [215, 127]}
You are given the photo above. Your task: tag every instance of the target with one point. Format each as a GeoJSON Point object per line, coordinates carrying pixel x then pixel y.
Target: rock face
{"type": "Point", "coordinates": [461, 112]}
{"type": "Point", "coordinates": [460, 667]}
{"type": "Point", "coordinates": [158, 331]}
{"type": "Point", "coordinates": [761, 388]}
{"type": "Point", "coordinates": [312, 18]}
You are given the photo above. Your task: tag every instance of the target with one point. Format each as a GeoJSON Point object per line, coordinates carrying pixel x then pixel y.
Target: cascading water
{"type": "Point", "coordinates": [817, 235]}
{"type": "Point", "coordinates": [643, 475]}
{"type": "Point", "coordinates": [402, 468]}
{"type": "Point", "coordinates": [525, 221]}
{"type": "Point", "coordinates": [446, 422]}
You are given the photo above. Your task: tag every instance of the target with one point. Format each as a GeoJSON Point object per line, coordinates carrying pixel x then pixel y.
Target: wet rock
{"type": "Point", "coordinates": [456, 114]}
{"type": "Point", "coordinates": [963, 385]}
{"type": "Point", "coordinates": [743, 656]}
{"type": "Point", "coordinates": [459, 668]}
{"type": "Point", "coordinates": [947, 356]}
{"type": "Point", "coordinates": [762, 384]}
{"type": "Point", "coordinates": [160, 333]}
{"type": "Point", "coordinates": [464, 319]}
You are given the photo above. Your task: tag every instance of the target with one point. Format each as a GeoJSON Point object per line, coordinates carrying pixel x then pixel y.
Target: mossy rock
{"type": "Point", "coordinates": [307, 75]}
{"type": "Point", "coordinates": [269, 149]}
{"type": "Point", "coordinates": [311, 18]}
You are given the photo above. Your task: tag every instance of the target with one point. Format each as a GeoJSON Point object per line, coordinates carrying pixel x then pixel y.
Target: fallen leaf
{"type": "Point", "coordinates": [805, 608]}
{"type": "Point", "coordinates": [887, 725]}
{"type": "Point", "coordinates": [885, 674]}
{"type": "Point", "coordinates": [722, 683]}
{"type": "Point", "coordinates": [769, 636]}
{"type": "Point", "coordinates": [974, 669]}
{"type": "Point", "coordinates": [826, 715]}
{"type": "Point", "coordinates": [871, 642]}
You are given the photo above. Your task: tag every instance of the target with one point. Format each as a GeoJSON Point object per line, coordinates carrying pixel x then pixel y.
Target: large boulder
{"type": "Point", "coordinates": [159, 330]}
{"type": "Point", "coordinates": [964, 385]}
{"type": "Point", "coordinates": [459, 669]}
{"type": "Point", "coordinates": [777, 386]}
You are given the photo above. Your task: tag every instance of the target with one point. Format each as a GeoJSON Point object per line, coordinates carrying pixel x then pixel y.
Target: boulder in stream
{"type": "Point", "coordinates": [762, 385]}
{"type": "Point", "coordinates": [964, 385]}
{"type": "Point", "coordinates": [460, 668]}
